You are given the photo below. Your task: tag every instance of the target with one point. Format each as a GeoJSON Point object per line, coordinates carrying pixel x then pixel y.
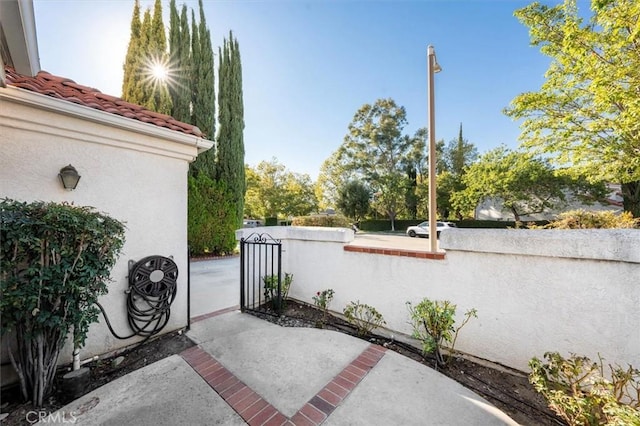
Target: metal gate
{"type": "Point", "coordinates": [260, 274]}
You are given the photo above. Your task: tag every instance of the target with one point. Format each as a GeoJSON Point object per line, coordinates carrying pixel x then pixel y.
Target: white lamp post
{"type": "Point", "coordinates": [432, 68]}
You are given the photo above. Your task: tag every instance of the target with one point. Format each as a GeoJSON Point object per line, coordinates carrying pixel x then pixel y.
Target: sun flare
{"type": "Point", "coordinates": [159, 71]}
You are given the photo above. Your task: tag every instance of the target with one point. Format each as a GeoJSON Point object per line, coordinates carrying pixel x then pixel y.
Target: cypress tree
{"type": "Point", "coordinates": [179, 46]}
{"type": "Point", "coordinates": [185, 66]}
{"type": "Point", "coordinates": [203, 91]}
{"type": "Point", "coordinates": [143, 89]}
{"type": "Point", "coordinates": [195, 59]}
{"type": "Point", "coordinates": [132, 60]}
{"type": "Point", "coordinates": [230, 167]}
{"type": "Point", "coordinates": [205, 102]}
{"type": "Point", "coordinates": [175, 38]}
{"type": "Point", "coordinates": [157, 55]}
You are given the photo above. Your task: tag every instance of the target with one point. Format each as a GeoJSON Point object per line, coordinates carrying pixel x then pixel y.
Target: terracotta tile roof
{"type": "Point", "coordinates": [68, 90]}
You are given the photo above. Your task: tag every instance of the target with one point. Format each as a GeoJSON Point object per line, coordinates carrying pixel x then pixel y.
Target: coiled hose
{"type": "Point", "coordinates": [152, 290]}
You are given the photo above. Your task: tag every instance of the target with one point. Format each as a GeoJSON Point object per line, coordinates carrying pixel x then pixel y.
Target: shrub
{"type": "Point", "coordinates": [271, 221]}
{"type": "Point", "coordinates": [212, 217]}
{"type": "Point", "coordinates": [364, 317]}
{"type": "Point", "coordinates": [322, 300]}
{"type": "Point", "coordinates": [583, 219]}
{"type": "Point", "coordinates": [55, 261]}
{"type": "Point", "coordinates": [576, 389]}
{"type": "Point", "coordinates": [271, 289]}
{"type": "Point", "coordinates": [433, 324]}
{"type": "Point", "coordinates": [331, 221]}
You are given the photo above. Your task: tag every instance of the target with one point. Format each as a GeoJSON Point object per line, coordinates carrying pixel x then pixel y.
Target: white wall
{"type": "Point", "coordinates": [535, 290]}
{"type": "Point", "coordinates": [134, 177]}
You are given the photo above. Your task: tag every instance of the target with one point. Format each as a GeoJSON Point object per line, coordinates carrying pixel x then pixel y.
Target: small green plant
{"type": "Point", "coordinates": [433, 324]}
{"type": "Point", "coordinates": [576, 390]}
{"type": "Point", "coordinates": [322, 300]}
{"type": "Point", "coordinates": [271, 289]}
{"type": "Point", "coordinates": [364, 317]}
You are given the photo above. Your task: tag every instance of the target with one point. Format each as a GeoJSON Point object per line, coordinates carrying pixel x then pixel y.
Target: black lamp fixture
{"type": "Point", "coordinates": [69, 177]}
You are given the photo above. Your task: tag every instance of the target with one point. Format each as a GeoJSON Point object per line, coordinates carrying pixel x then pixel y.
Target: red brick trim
{"type": "Point", "coordinates": [255, 410]}
{"type": "Point", "coordinates": [215, 313]}
{"type": "Point", "coordinates": [396, 252]}
{"type": "Point", "coordinates": [331, 396]}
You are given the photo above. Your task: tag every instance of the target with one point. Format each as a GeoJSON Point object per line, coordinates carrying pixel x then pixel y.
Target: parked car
{"type": "Point", "coordinates": [422, 229]}
{"type": "Point", "coordinates": [251, 223]}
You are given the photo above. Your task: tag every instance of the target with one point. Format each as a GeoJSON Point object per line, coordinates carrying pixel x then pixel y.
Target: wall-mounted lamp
{"type": "Point", "coordinates": [69, 177]}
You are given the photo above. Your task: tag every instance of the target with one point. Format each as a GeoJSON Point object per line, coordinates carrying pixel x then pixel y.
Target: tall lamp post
{"type": "Point", "coordinates": [432, 68]}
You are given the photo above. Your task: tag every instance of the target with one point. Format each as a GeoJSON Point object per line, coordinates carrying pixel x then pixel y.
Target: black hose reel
{"type": "Point", "coordinates": [152, 290]}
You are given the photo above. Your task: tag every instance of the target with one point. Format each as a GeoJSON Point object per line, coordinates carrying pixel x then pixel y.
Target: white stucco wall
{"type": "Point", "coordinates": [137, 177]}
{"type": "Point", "coordinates": [535, 291]}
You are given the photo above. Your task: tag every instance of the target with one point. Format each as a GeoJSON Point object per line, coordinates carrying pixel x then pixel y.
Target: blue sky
{"type": "Point", "coordinates": [309, 65]}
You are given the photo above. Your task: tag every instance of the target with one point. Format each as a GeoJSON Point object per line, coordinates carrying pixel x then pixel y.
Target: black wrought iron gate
{"type": "Point", "coordinates": [261, 274]}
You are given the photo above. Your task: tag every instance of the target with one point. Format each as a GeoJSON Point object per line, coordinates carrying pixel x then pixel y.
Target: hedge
{"type": "Point", "coordinates": [403, 224]}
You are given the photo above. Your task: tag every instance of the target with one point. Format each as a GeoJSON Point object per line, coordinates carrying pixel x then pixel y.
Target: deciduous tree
{"type": "Point", "coordinates": [587, 113]}
{"type": "Point", "coordinates": [274, 191]}
{"type": "Point", "coordinates": [334, 173]}
{"type": "Point", "coordinates": [354, 200]}
{"type": "Point", "coordinates": [376, 150]}
{"type": "Point", "coordinates": [523, 183]}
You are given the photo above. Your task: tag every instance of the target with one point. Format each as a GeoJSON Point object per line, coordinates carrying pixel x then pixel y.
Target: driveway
{"type": "Point", "coordinates": [394, 241]}
{"type": "Point", "coordinates": [215, 285]}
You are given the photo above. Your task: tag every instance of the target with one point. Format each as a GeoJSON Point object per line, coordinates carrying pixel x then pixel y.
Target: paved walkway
{"type": "Point", "coordinates": [248, 371]}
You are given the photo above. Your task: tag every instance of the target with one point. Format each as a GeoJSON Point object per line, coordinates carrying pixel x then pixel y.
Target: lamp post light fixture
{"type": "Point", "coordinates": [69, 177]}
{"type": "Point", "coordinates": [432, 68]}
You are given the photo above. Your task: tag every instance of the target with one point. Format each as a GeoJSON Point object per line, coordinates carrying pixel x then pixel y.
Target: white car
{"type": "Point", "coordinates": [422, 230]}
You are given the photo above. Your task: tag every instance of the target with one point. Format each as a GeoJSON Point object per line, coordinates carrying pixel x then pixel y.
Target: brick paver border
{"type": "Point", "coordinates": [215, 313]}
{"type": "Point", "coordinates": [255, 410]}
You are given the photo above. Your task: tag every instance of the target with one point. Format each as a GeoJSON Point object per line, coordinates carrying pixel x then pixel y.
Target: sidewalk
{"type": "Point", "coordinates": [246, 370]}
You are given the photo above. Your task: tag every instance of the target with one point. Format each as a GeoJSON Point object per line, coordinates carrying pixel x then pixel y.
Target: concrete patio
{"type": "Point", "coordinates": [248, 371]}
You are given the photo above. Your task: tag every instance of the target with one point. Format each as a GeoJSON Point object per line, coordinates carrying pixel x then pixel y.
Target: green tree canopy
{"type": "Point", "coordinates": [377, 151]}
{"type": "Point", "coordinates": [230, 161]}
{"type": "Point", "coordinates": [523, 183]}
{"type": "Point", "coordinates": [333, 174]}
{"type": "Point", "coordinates": [354, 200]}
{"type": "Point", "coordinates": [180, 63]}
{"type": "Point", "coordinates": [274, 191]}
{"type": "Point", "coordinates": [587, 113]}
{"type": "Point", "coordinates": [146, 55]}
{"type": "Point", "coordinates": [133, 60]}
{"type": "Point", "coordinates": [453, 162]}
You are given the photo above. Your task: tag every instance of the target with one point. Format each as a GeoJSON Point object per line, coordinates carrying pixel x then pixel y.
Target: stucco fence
{"type": "Point", "coordinates": [574, 291]}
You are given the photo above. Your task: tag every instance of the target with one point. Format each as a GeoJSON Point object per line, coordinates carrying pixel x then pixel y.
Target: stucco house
{"type": "Point", "coordinates": [493, 209]}
{"type": "Point", "coordinates": [133, 165]}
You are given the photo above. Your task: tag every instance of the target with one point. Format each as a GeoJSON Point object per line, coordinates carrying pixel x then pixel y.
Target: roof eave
{"type": "Point", "coordinates": [61, 106]}
{"type": "Point", "coordinates": [19, 28]}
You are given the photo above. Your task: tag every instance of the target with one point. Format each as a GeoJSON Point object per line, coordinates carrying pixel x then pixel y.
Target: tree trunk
{"type": "Point", "coordinates": [516, 216]}
{"type": "Point", "coordinates": [631, 197]}
{"type": "Point", "coordinates": [37, 359]}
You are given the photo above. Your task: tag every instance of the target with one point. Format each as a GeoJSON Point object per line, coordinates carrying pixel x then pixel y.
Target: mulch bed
{"type": "Point", "coordinates": [507, 389]}
{"type": "Point", "coordinates": [102, 372]}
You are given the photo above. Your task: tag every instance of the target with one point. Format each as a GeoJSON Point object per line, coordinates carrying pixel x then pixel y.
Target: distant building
{"type": "Point", "coordinates": [491, 208]}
